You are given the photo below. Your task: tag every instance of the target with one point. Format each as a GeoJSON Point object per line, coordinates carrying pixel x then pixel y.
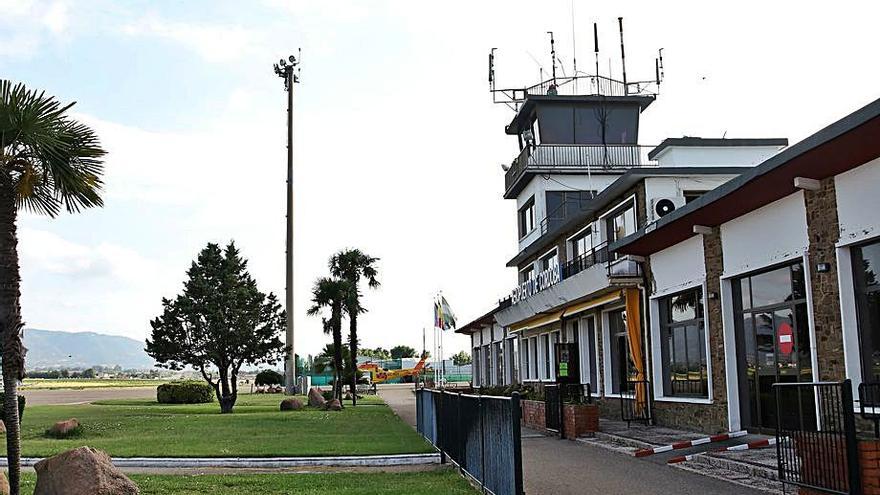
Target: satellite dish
{"type": "Point", "coordinates": [664, 207]}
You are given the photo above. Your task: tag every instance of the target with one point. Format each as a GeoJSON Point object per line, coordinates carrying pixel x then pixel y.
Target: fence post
{"type": "Point", "coordinates": [459, 443]}
{"type": "Point", "coordinates": [482, 443]}
{"type": "Point", "coordinates": [515, 418]}
{"type": "Point", "coordinates": [852, 447]}
{"type": "Point", "coordinates": [438, 413]}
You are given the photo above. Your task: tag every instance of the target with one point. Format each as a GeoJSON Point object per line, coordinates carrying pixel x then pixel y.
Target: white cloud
{"type": "Point", "coordinates": [214, 43]}
{"type": "Point", "coordinates": [56, 18]}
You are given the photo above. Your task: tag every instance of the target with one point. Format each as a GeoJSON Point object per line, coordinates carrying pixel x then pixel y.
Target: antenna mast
{"type": "Point", "coordinates": [553, 54]}
{"type": "Point", "coordinates": [622, 56]}
{"type": "Point", "coordinates": [574, 57]}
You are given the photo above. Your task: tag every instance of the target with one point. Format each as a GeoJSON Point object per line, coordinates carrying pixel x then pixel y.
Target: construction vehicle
{"type": "Point", "coordinates": [378, 374]}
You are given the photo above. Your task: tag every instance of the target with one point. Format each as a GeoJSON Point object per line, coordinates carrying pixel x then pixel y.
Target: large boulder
{"type": "Point", "coordinates": [81, 471]}
{"type": "Point", "coordinates": [63, 428]}
{"type": "Point", "coordinates": [4, 484]}
{"type": "Point", "coordinates": [316, 398]}
{"type": "Point", "coordinates": [291, 404]}
{"type": "Point", "coordinates": [2, 426]}
{"type": "Point", "coordinates": [334, 405]}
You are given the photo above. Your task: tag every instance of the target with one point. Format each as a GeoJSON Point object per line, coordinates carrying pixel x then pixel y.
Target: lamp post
{"type": "Point", "coordinates": [289, 71]}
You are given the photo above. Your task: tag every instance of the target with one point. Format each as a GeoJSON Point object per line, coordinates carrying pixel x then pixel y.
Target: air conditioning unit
{"type": "Point", "coordinates": [660, 207]}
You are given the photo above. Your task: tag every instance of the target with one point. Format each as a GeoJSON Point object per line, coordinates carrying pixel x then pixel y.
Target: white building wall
{"type": "Point", "coordinates": [858, 202]}
{"type": "Point", "coordinates": [538, 187]}
{"type": "Point", "coordinates": [674, 187]}
{"type": "Point", "coordinates": [771, 234]}
{"type": "Point", "coordinates": [678, 267]}
{"type": "Point", "coordinates": [715, 156]}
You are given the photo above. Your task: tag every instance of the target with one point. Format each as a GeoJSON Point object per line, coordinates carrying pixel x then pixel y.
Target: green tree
{"type": "Point", "coordinates": [48, 161]}
{"type": "Point", "coordinates": [351, 265]}
{"type": "Point", "coordinates": [268, 377]}
{"type": "Point", "coordinates": [402, 351]}
{"type": "Point", "coordinates": [332, 293]}
{"type": "Point", "coordinates": [220, 322]}
{"type": "Point", "coordinates": [461, 359]}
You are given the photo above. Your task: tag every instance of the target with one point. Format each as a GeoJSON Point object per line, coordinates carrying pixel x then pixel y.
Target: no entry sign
{"type": "Point", "coordinates": [786, 338]}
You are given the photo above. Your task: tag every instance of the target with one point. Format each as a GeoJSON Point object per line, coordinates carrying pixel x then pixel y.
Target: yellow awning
{"type": "Point", "coordinates": [537, 321]}
{"type": "Point", "coordinates": [592, 303]}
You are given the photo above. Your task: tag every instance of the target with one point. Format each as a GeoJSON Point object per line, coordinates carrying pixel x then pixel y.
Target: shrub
{"type": "Point", "coordinates": [269, 377]}
{"type": "Point", "coordinates": [60, 435]}
{"type": "Point", "coordinates": [21, 404]}
{"type": "Point", "coordinates": [328, 394]}
{"type": "Point", "coordinates": [187, 392]}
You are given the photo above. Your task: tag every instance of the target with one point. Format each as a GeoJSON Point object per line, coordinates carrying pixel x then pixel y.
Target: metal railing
{"type": "Point", "coordinates": [578, 85]}
{"type": "Point", "coordinates": [552, 408]}
{"type": "Point", "coordinates": [558, 157]}
{"type": "Point", "coordinates": [816, 444]}
{"type": "Point", "coordinates": [869, 404]}
{"type": "Point", "coordinates": [636, 402]}
{"type": "Point", "coordinates": [598, 254]}
{"type": "Point", "coordinates": [480, 434]}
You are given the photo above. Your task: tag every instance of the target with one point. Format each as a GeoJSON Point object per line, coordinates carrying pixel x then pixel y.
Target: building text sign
{"type": "Point", "coordinates": [536, 283]}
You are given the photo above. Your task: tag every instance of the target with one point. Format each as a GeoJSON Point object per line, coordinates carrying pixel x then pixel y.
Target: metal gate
{"type": "Point", "coordinates": [816, 437]}
{"type": "Point", "coordinates": [636, 403]}
{"type": "Point", "coordinates": [552, 407]}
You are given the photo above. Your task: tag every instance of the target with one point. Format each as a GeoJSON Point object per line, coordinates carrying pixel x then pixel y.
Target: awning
{"type": "Point", "coordinates": [538, 321]}
{"type": "Point", "coordinates": [592, 303]}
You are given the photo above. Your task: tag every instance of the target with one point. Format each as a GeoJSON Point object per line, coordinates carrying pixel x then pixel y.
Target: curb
{"type": "Point", "coordinates": [264, 462]}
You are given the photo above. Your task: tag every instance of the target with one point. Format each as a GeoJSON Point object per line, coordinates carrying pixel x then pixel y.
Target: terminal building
{"type": "Point", "coordinates": [696, 272]}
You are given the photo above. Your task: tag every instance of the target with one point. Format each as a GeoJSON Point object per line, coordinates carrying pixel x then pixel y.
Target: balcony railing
{"type": "Point", "coordinates": [598, 254]}
{"type": "Point", "coordinates": [558, 157]}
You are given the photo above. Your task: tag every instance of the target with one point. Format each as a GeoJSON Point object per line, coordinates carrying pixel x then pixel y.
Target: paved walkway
{"type": "Point", "coordinates": [563, 467]}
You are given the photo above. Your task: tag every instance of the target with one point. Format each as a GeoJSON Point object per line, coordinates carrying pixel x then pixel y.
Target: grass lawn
{"type": "Point", "coordinates": [83, 383]}
{"type": "Point", "coordinates": [439, 482]}
{"type": "Point", "coordinates": [144, 428]}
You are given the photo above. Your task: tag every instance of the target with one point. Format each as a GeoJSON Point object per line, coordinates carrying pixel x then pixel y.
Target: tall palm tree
{"type": "Point", "coordinates": [352, 265]}
{"type": "Point", "coordinates": [332, 293]}
{"type": "Point", "coordinates": [48, 161]}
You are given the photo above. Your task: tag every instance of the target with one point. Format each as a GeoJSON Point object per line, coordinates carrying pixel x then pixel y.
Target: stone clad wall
{"type": "Point", "coordinates": [824, 232]}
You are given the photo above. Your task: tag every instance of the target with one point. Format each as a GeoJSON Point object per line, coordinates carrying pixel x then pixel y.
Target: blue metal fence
{"type": "Point", "coordinates": [479, 433]}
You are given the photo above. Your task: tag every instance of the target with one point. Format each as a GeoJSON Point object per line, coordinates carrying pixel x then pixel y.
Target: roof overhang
{"type": "Point", "coordinates": [714, 143]}
{"type": "Point", "coordinates": [848, 143]}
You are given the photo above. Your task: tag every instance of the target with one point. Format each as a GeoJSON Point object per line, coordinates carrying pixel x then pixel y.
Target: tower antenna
{"type": "Point", "coordinates": [574, 57]}
{"type": "Point", "coordinates": [622, 56]}
{"type": "Point", "coordinates": [492, 68]}
{"type": "Point", "coordinates": [553, 55]}
{"type": "Point", "coordinates": [662, 73]}
{"type": "Point", "coordinates": [596, 47]}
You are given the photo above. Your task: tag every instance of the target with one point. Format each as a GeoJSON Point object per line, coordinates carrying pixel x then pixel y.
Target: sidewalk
{"type": "Point", "coordinates": [562, 467]}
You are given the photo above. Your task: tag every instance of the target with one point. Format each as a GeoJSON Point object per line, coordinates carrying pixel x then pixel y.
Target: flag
{"type": "Point", "coordinates": [444, 318]}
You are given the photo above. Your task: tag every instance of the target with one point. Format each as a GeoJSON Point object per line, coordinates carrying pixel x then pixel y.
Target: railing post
{"type": "Point", "coordinates": [516, 435]}
{"type": "Point", "coordinates": [482, 443]}
{"type": "Point", "coordinates": [852, 446]}
{"type": "Point", "coordinates": [438, 413]}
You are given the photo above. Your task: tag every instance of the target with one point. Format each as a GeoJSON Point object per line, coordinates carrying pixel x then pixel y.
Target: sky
{"type": "Point", "coordinates": [398, 146]}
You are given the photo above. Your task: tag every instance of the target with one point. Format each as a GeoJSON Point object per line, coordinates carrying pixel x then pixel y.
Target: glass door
{"type": "Point", "coordinates": [773, 346]}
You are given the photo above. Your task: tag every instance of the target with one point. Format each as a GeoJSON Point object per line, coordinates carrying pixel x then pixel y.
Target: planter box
{"type": "Point", "coordinates": [580, 419]}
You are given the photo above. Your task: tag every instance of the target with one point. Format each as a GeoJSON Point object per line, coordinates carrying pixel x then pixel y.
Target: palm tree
{"type": "Point", "coordinates": [351, 265]}
{"type": "Point", "coordinates": [48, 161]}
{"type": "Point", "coordinates": [332, 293]}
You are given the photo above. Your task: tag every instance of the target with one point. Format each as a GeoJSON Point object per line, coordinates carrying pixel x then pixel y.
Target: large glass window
{"type": "Point", "coordinates": [487, 366]}
{"type": "Point", "coordinates": [622, 367]}
{"type": "Point", "coordinates": [548, 260]}
{"type": "Point", "coordinates": [476, 367]}
{"type": "Point", "coordinates": [586, 341]}
{"type": "Point", "coordinates": [499, 364]}
{"type": "Point", "coordinates": [562, 205]}
{"type": "Point", "coordinates": [510, 351]}
{"type": "Point", "coordinates": [525, 273]}
{"type": "Point", "coordinates": [533, 348]}
{"type": "Point", "coordinates": [545, 356]}
{"type": "Point", "coordinates": [683, 345]}
{"type": "Point", "coordinates": [581, 243]}
{"type": "Point", "coordinates": [621, 223]}
{"type": "Point", "coordinates": [866, 274]}
{"type": "Point", "coordinates": [527, 217]}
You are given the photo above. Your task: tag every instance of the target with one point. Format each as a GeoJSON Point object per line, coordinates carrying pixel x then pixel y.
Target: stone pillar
{"type": "Point", "coordinates": [824, 232]}
{"type": "Point", "coordinates": [714, 259]}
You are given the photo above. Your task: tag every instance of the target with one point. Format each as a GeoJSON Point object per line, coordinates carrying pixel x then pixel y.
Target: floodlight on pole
{"type": "Point", "coordinates": [289, 71]}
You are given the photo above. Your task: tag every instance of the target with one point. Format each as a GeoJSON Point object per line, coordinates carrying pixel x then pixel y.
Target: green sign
{"type": "Point", "coordinates": [563, 369]}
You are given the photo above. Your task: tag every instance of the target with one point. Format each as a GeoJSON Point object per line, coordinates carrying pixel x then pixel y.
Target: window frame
{"type": "Point", "coordinates": [522, 222]}
{"type": "Point", "coordinates": [666, 325]}
{"type": "Point", "coordinates": [614, 212]}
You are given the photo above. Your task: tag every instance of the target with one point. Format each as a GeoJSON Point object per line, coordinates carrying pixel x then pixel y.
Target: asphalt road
{"type": "Point", "coordinates": [68, 397]}
{"type": "Point", "coordinates": [561, 467]}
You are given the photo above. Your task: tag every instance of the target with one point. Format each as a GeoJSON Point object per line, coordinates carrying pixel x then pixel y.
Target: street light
{"type": "Point", "coordinates": [289, 71]}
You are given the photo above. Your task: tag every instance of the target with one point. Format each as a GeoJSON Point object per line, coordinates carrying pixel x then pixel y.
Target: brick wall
{"type": "Point", "coordinates": [580, 419]}
{"type": "Point", "coordinates": [533, 414]}
{"type": "Point", "coordinates": [869, 460]}
{"type": "Point", "coordinates": [824, 231]}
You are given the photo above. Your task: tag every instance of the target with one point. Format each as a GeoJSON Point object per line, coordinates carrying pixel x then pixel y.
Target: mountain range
{"type": "Point", "coordinates": [54, 349]}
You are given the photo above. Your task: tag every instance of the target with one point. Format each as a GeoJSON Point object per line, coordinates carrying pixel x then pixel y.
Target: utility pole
{"type": "Point", "coordinates": [290, 73]}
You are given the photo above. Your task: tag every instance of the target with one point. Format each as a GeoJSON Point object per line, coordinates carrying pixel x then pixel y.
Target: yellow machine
{"type": "Point", "coordinates": [381, 375]}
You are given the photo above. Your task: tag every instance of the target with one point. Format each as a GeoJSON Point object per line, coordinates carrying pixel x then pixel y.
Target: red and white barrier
{"type": "Point", "coordinates": [689, 443]}
{"type": "Point", "coordinates": [757, 444]}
